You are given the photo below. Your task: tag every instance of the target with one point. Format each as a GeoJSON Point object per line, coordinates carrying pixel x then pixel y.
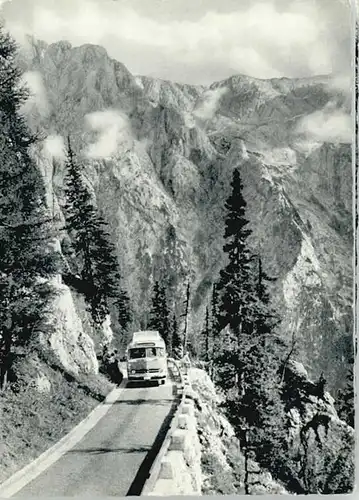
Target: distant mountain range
{"type": "Point", "coordinates": [160, 157]}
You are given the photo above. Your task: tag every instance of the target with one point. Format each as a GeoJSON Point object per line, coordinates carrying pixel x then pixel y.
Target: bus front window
{"type": "Point", "coordinates": [137, 353]}
{"type": "Point", "coordinates": [151, 352]}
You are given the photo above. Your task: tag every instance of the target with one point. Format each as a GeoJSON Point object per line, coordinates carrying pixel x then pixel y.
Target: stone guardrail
{"type": "Point", "coordinates": [177, 467]}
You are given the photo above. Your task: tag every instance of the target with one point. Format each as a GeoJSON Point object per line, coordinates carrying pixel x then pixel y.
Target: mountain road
{"type": "Point", "coordinates": [114, 458]}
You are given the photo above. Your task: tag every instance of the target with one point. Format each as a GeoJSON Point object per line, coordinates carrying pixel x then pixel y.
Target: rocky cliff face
{"type": "Point", "coordinates": [67, 331]}
{"type": "Point", "coordinates": [322, 445]}
{"type": "Point", "coordinates": [222, 459]}
{"type": "Point", "coordinates": [321, 457]}
{"type": "Point", "coordinates": [160, 158]}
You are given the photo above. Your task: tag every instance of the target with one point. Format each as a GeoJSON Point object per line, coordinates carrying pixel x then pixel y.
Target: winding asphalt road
{"type": "Point", "coordinates": [114, 458]}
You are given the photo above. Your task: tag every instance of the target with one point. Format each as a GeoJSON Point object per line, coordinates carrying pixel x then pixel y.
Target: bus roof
{"type": "Point", "coordinates": [146, 336]}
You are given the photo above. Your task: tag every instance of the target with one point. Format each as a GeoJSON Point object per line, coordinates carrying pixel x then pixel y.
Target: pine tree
{"type": "Point", "coordinates": [236, 286]}
{"type": "Point", "coordinates": [123, 309]}
{"type": "Point", "coordinates": [236, 290]}
{"type": "Point", "coordinates": [155, 312]}
{"type": "Point", "coordinates": [247, 359]}
{"type": "Point", "coordinates": [253, 402]}
{"type": "Point", "coordinates": [95, 255]}
{"type": "Point", "coordinates": [159, 313]}
{"type": "Point", "coordinates": [177, 342]}
{"type": "Point", "coordinates": [266, 317]}
{"type": "Point", "coordinates": [27, 255]}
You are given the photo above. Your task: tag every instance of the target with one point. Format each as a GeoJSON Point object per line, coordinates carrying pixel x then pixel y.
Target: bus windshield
{"type": "Point", "coordinates": [146, 352]}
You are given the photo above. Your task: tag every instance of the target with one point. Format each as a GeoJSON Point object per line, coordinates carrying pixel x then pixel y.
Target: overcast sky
{"type": "Point", "coordinates": [198, 41]}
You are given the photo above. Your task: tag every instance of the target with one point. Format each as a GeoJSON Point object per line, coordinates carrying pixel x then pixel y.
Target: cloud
{"type": "Point", "coordinates": [2, 2]}
{"type": "Point", "coordinates": [342, 82]}
{"type": "Point", "coordinates": [259, 38]}
{"type": "Point", "coordinates": [112, 128]}
{"type": "Point", "coordinates": [208, 103]}
{"type": "Point", "coordinates": [327, 125]}
{"type": "Point", "coordinates": [54, 146]}
{"type": "Point", "coordinates": [37, 100]}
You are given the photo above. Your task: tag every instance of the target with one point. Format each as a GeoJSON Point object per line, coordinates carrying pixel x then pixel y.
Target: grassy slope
{"type": "Point", "coordinates": [32, 421]}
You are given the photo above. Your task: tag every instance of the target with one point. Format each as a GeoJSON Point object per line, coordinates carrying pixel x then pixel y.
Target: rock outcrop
{"type": "Point", "coordinates": [65, 335]}
{"type": "Point", "coordinates": [223, 463]}
{"type": "Point", "coordinates": [321, 446]}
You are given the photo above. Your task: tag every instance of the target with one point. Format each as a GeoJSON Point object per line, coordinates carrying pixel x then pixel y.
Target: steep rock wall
{"type": "Point", "coordinates": [159, 158]}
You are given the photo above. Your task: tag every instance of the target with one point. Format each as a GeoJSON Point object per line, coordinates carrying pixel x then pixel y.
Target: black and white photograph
{"type": "Point", "coordinates": [178, 247]}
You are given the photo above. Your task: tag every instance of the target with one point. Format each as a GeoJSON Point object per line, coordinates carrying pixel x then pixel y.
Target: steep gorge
{"type": "Point", "coordinates": [160, 157]}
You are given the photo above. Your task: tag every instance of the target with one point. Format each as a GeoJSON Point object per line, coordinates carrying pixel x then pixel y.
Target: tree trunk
{"type": "Point", "coordinates": [246, 471]}
{"type": "Point", "coordinates": [3, 382]}
{"type": "Point", "coordinates": [5, 365]}
{"type": "Point", "coordinates": [7, 327]}
{"type": "Point", "coordinates": [188, 294]}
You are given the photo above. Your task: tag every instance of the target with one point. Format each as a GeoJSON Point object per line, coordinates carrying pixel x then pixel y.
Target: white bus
{"type": "Point", "coordinates": [146, 357]}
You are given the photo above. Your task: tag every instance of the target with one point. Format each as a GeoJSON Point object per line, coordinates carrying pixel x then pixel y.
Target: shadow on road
{"type": "Point", "coordinates": [143, 472]}
{"type": "Point", "coordinates": [137, 402]}
{"type": "Point", "coordinates": [150, 383]}
{"type": "Point", "coordinates": [100, 451]}
{"type": "Point", "coordinates": [141, 383]}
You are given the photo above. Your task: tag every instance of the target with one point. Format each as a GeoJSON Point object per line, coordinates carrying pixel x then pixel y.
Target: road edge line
{"type": "Point", "coordinates": [31, 471]}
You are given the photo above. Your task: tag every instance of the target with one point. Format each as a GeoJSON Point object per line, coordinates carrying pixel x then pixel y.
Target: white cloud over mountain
{"type": "Point", "coordinates": [259, 38]}
{"type": "Point", "coordinates": [112, 128]}
{"type": "Point", "coordinates": [328, 125]}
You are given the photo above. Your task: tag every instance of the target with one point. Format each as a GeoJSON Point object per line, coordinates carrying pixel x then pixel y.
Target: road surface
{"type": "Point", "coordinates": [113, 459]}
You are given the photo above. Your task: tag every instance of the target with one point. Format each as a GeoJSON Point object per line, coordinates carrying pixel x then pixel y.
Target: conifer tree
{"type": "Point", "coordinates": [236, 286]}
{"type": "Point", "coordinates": [95, 255]}
{"type": "Point", "coordinates": [27, 256]}
{"type": "Point", "coordinates": [266, 317]}
{"type": "Point", "coordinates": [248, 359]}
{"type": "Point", "coordinates": [177, 343]}
{"type": "Point", "coordinates": [155, 311]}
{"type": "Point", "coordinates": [236, 291]}
{"type": "Point", "coordinates": [165, 317]}
{"type": "Point", "coordinates": [159, 314]}
{"type": "Point", "coordinates": [123, 308]}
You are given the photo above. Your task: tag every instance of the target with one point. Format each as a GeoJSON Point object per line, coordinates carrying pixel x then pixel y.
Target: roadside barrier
{"type": "Point", "coordinates": [176, 469]}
